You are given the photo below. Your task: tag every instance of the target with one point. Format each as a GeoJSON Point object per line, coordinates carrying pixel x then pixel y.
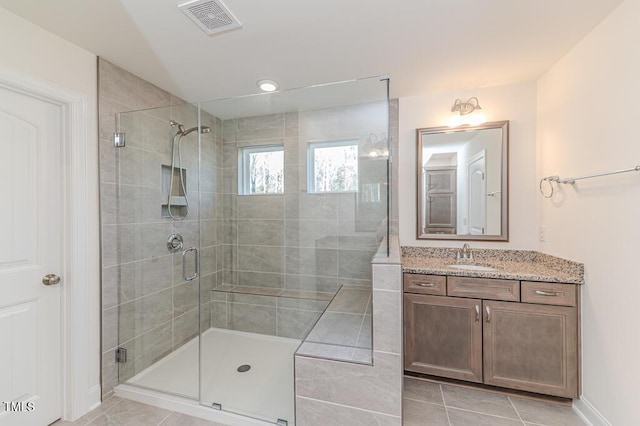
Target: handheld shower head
{"type": "Point", "coordinates": [183, 132]}
{"type": "Point", "coordinates": [203, 129]}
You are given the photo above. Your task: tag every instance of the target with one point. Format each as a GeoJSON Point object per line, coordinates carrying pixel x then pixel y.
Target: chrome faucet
{"type": "Point", "coordinates": [465, 254]}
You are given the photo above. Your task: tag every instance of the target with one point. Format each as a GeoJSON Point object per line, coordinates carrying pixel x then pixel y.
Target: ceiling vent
{"type": "Point", "coordinates": [212, 16]}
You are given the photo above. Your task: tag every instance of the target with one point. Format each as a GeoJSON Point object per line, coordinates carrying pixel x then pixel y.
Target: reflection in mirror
{"type": "Point", "coordinates": [463, 182]}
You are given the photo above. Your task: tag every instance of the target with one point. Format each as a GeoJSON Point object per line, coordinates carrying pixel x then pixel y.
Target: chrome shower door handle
{"type": "Point", "coordinates": [196, 264]}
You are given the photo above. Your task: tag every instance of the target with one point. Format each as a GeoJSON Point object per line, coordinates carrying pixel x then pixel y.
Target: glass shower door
{"type": "Point", "coordinates": [155, 224]}
{"type": "Point", "coordinates": [301, 196]}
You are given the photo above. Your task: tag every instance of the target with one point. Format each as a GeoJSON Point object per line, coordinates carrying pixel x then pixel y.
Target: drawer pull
{"type": "Point", "coordinates": [419, 284]}
{"type": "Point", "coordinates": [488, 314]}
{"type": "Point", "coordinates": [546, 293]}
{"type": "Point", "coordinates": [477, 313]}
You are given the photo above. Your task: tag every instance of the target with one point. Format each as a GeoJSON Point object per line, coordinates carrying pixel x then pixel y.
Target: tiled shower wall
{"type": "Point", "coordinates": [297, 241]}
{"type": "Point", "coordinates": [302, 241]}
{"type": "Point", "coordinates": [147, 307]}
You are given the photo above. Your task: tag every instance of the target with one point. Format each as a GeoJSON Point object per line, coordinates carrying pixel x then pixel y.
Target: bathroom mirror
{"type": "Point", "coordinates": [463, 182]}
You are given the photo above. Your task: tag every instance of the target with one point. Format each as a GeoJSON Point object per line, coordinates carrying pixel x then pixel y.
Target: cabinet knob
{"type": "Point", "coordinates": [488, 314]}
{"type": "Point", "coordinates": [477, 313]}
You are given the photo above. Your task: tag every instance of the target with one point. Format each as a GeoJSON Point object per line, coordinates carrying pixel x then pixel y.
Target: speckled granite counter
{"type": "Point", "coordinates": [525, 265]}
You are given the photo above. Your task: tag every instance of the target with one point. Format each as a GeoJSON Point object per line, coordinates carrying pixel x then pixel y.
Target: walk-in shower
{"type": "Point", "coordinates": [245, 233]}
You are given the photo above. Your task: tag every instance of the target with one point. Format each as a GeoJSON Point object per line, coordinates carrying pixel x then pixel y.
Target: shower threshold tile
{"type": "Point", "coordinates": [336, 329]}
{"type": "Point", "coordinates": [323, 350]}
{"type": "Point", "coordinates": [351, 300]}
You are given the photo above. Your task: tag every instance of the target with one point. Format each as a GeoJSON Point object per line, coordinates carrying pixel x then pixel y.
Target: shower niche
{"type": "Point", "coordinates": [174, 195]}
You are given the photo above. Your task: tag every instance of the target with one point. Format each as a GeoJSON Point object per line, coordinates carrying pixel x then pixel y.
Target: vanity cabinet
{"type": "Point", "coordinates": [519, 335]}
{"type": "Point", "coordinates": [443, 336]}
{"type": "Point", "coordinates": [531, 347]}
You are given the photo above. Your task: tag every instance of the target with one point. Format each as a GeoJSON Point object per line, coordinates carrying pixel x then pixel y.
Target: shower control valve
{"type": "Point", "coordinates": [174, 243]}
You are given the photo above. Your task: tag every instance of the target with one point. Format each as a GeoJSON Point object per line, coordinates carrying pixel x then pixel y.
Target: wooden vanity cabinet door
{"type": "Point", "coordinates": [531, 347]}
{"type": "Point", "coordinates": [443, 336]}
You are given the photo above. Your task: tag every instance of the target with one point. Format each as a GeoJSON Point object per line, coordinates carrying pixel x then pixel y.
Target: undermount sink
{"type": "Point", "coordinates": [473, 267]}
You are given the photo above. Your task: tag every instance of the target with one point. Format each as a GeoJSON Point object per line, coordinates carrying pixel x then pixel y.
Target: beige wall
{"type": "Point", "coordinates": [514, 103]}
{"type": "Point", "coordinates": [588, 111]}
{"type": "Point", "coordinates": [33, 51]}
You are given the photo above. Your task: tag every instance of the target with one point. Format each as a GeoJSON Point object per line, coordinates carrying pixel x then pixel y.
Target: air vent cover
{"type": "Point", "coordinates": [212, 16]}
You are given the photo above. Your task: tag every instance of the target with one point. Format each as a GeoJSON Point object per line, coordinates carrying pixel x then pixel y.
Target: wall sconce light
{"type": "Point", "coordinates": [466, 113]}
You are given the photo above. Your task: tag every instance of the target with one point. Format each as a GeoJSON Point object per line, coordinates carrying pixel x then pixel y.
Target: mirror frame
{"type": "Point", "coordinates": [504, 207]}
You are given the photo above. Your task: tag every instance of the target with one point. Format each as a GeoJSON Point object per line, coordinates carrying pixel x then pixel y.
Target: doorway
{"type": "Point", "coordinates": [49, 271]}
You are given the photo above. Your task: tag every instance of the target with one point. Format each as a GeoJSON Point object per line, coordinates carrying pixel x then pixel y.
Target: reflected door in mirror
{"type": "Point", "coordinates": [440, 201]}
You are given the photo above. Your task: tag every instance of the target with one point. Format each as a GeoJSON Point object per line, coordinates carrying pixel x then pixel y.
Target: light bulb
{"type": "Point", "coordinates": [268, 85]}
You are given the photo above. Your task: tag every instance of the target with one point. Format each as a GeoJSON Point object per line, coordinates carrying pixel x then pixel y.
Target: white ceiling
{"type": "Point", "coordinates": [425, 45]}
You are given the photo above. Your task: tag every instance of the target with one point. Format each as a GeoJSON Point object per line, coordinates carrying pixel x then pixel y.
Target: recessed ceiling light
{"type": "Point", "coordinates": [268, 85]}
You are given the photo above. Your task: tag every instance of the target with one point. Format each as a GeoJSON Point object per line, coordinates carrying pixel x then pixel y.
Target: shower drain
{"type": "Point", "coordinates": [244, 368]}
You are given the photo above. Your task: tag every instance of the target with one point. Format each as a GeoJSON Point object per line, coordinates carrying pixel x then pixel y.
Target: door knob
{"type": "Point", "coordinates": [50, 279]}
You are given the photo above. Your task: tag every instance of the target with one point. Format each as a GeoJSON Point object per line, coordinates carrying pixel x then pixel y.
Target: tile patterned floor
{"type": "Point", "coordinates": [425, 404]}
{"type": "Point", "coordinates": [432, 404]}
{"type": "Point", "coordinates": [122, 412]}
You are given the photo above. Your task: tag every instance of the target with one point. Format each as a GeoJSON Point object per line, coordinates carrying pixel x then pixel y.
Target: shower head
{"type": "Point", "coordinates": [176, 124]}
{"type": "Point", "coordinates": [183, 132]}
{"type": "Point", "coordinates": [203, 129]}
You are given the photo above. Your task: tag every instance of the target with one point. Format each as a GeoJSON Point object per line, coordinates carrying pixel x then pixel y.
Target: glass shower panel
{"type": "Point", "coordinates": [158, 243]}
{"type": "Point", "coordinates": [301, 199]}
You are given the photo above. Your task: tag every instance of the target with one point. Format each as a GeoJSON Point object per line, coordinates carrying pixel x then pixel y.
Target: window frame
{"type": "Point", "coordinates": [244, 154]}
{"type": "Point", "coordinates": [311, 172]}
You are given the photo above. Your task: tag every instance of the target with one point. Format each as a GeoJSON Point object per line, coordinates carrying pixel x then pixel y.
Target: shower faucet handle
{"type": "Point", "coordinates": [174, 243]}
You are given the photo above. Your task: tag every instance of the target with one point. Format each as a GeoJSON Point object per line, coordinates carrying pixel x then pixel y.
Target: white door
{"type": "Point", "coordinates": [30, 248]}
{"type": "Point", "coordinates": [477, 189]}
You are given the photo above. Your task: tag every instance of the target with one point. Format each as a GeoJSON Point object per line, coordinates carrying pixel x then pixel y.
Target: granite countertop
{"type": "Point", "coordinates": [525, 265]}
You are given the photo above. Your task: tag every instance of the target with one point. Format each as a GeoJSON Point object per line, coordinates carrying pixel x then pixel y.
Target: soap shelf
{"type": "Point", "coordinates": [177, 201]}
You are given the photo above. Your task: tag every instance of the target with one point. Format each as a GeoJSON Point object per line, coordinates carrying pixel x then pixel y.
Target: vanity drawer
{"type": "Point", "coordinates": [425, 284]}
{"type": "Point", "coordinates": [484, 288]}
{"type": "Point", "coordinates": [549, 293]}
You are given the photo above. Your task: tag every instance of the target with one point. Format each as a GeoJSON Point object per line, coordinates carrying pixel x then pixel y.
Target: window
{"type": "Point", "coordinates": [261, 170]}
{"type": "Point", "coordinates": [333, 166]}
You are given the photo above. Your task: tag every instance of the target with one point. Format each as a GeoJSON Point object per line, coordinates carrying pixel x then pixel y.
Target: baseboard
{"type": "Point", "coordinates": [95, 397]}
{"type": "Point", "coordinates": [589, 413]}
{"type": "Point", "coordinates": [185, 406]}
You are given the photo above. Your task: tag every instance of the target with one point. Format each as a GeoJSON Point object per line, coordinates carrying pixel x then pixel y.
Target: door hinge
{"type": "Point", "coordinates": [121, 355]}
{"type": "Point", "coordinates": [216, 406]}
{"type": "Point", "coordinates": [282, 422]}
{"type": "Point", "coordinates": [119, 139]}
